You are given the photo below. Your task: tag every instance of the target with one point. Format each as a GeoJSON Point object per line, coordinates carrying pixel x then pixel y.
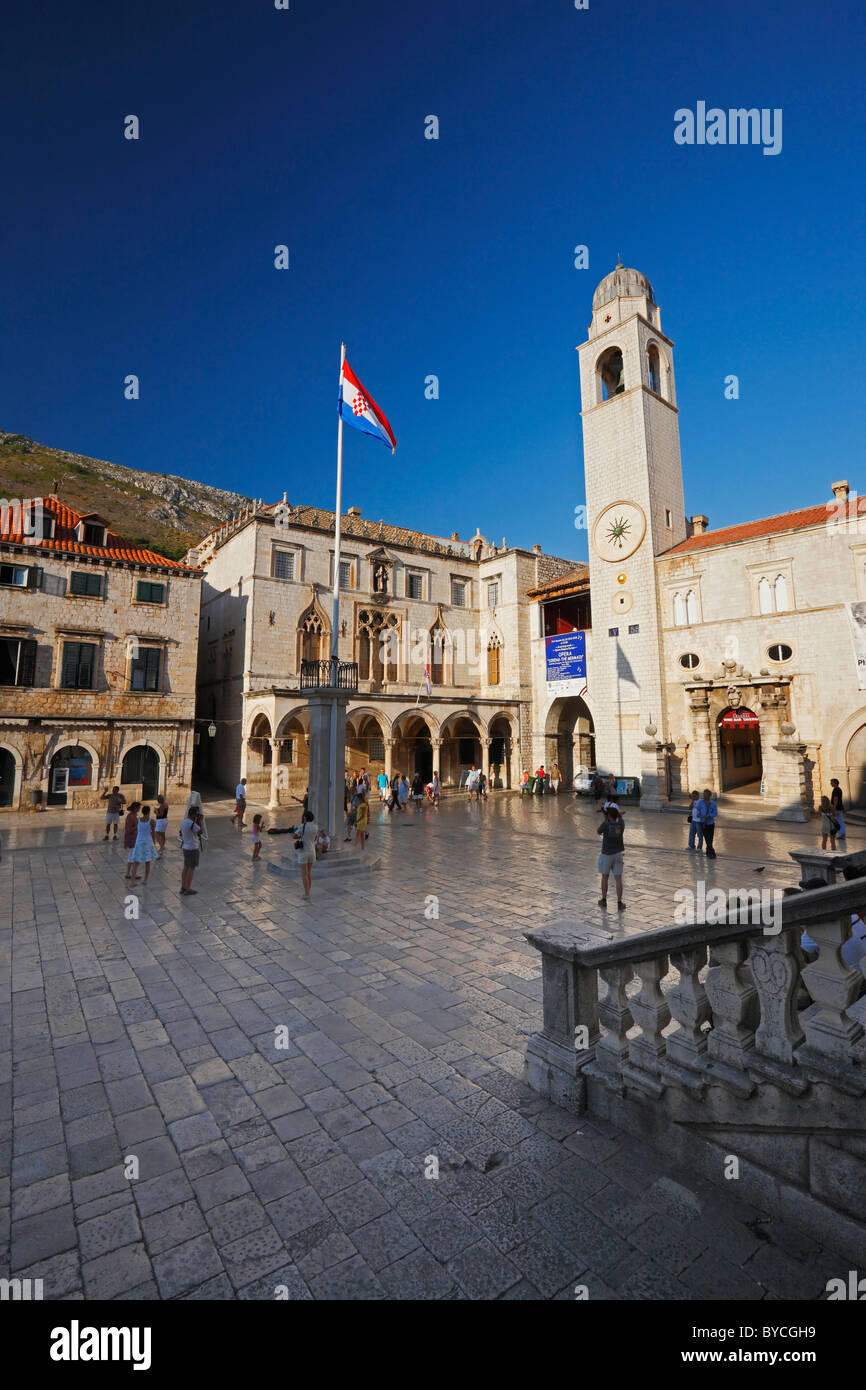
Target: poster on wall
{"type": "Point", "coordinates": [857, 619]}
{"type": "Point", "coordinates": [565, 663]}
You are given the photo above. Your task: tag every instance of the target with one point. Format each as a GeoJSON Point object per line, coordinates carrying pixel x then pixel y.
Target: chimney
{"type": "Point", "coordinates": [700, 524]}
{"type": "Point", "coordinates": [285, 499]}
{"type": "Point", "coordinates": [840, 490]}
{"type": "Point", "coordinates": [353, 511]}
{"type": "Point", "coordinates": [536, 550]}
{"type": "Point", "coordinates": [455, 535]}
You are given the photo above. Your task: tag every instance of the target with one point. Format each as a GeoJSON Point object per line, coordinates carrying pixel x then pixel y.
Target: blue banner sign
{"type": "Point", "coordinates": [565, 657]}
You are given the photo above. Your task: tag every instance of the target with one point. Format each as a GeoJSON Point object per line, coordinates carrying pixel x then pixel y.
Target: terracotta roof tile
{"type": "Point", "coordinates": [64, 541]}
{"type": "Point", "coordinates": [750, 530]}
{"type": "Point", "coordinates": [570, 582]}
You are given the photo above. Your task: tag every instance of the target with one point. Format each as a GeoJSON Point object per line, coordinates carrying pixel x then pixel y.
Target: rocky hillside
{"type": "Point", "coordinates": [156, 510]}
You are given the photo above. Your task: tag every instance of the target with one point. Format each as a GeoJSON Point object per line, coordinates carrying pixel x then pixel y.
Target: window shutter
{"type": "Point", "coordinates": [27, 668]}
{"type": "Point", "coordinates": [34, 577]}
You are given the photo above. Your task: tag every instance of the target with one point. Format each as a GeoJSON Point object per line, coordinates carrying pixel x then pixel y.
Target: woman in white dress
{"type": "Point", "coordinates": [144, 850]}
{"type": "Point", "coordinates": [305, 849]}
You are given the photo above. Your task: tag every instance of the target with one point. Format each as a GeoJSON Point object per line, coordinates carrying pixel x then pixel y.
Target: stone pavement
{"type": "Point", "coordinates": [240, 1092]}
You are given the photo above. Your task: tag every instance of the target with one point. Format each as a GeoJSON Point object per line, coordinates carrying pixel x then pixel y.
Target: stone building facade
{"type": "Point", "coordinates": [98, 646]}
{"type": "Point", "coordinates": [410, 604]}
{"type": "Point", "coordinates": [721, 658]}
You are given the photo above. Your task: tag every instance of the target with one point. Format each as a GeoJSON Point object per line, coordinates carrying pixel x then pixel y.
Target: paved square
{"type": "Point", "coordinates": [239, 1094]}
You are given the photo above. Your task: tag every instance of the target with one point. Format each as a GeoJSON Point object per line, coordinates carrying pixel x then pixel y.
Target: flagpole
{"type": "Point", "coordinates": [335, 619]}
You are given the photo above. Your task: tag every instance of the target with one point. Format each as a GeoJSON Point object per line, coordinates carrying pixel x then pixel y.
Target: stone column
{"type": "Point", "coordinates": [276, 746]}
{"type": "Point", "coordinates": [326, 801]}
{"type": "Point", "coordinates": [389, 757]}
{"type": "Point", "coordinates": [436, 745]}
{"type": "Point", "coordinates": [485, 758]}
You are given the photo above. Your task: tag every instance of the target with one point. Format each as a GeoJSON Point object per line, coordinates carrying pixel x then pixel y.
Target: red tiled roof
{"type": "Point", "coordinates": [749, 530]}
{"type": "Point", "coordinates": [570, 582]}
{"type": "Point", "coordinates": [64, 541]}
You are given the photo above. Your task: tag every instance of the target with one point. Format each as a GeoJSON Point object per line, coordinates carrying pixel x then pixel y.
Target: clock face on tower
{"type": "Point", "coordinates": [618, 531]}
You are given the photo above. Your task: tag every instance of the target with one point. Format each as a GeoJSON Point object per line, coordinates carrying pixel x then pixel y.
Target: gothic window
{"type": "Point", "coordinates": [610, 375]}
{"type": "Point", "coordinates": [378, 644]}
{"type": "Point", "coordinates": [494, 661]}
{"type": "Point", "coordinates": [679, 611]}
{"type": "Point", "coordinates": [691, 606]}
{"type": "Point", "coordinates": [312, 638]}
{"type": "Point", "coordinates": [765, 596]}
{"type": "Point", "coordinates": [780, 593]}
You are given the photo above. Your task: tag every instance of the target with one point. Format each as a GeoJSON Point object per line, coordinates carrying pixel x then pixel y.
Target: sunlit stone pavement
{"type": "Point", "coordinates": [151, 1045]}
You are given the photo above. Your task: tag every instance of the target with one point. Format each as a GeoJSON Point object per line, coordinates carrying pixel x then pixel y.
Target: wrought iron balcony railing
{"type": "Point", "coordinates": [329, 675]}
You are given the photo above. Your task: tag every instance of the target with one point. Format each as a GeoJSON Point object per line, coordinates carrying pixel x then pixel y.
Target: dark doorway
{"type": "Point", "coordinates": [142, 765]}
{"type": "Point", "coordinates": [7, 777]}
{"type": "Point", "coordinates": [424, 757]}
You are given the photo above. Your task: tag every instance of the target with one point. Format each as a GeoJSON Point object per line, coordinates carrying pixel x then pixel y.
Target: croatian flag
{"type": "Point", "coordinates": [427, 680]}
{"type": "Point", "coordinates": [358, 408]}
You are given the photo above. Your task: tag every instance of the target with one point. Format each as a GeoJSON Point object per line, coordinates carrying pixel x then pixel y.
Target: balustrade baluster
{"type": "Point", "coordinates": [734, 1002]}
{"type": "Point", "coordinates": [612, 1048]}
{"type": "Point", "coordinates": [834, 986]}
{"type": "Point", "coordinates": [650, 1011]}
{"type": "Point", "coordinates": [690, 1007]}
{"type": "Point", "coordinates": [776, 963]}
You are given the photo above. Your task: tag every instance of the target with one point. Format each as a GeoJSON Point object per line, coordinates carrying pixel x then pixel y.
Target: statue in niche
{"type": "Point", "coordinates": [380, 579]}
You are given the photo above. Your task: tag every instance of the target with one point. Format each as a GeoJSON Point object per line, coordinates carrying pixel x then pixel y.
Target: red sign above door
{"type": "Point", "coordinates": [738, 719]}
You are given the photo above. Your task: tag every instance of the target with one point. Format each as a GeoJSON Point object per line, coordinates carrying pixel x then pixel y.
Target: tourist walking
{"type": "Point", "coordinates": [433, 789]}
{"type": "Point", "coordinates": [525, 785]}
{"type": "Point", "coordinates": [418, 790]}
{"type": "Point", "coordinates": [829, 824]}
{"type": "Point", "coordinates": [144, 849]}
{"type": "Point", "coordinates": [382, 780]}
{"type": "Point", "coordinates": [708, 812]}
{"type": "Point", "coordinates": [403, 792]}
{"type": "Point", "coordinates": [838, 808]}
{"type": "Point", "coordinates": [240, 803]}
{"type": "Point", "coordinates": [116, 802]}
{"type": "Point", "coordinates": [482, 787]}
{"type": "Point", "coordinates": [696, 829]}
{"type": "Point", "coordinates": [539, 781]}
{"type": "Point", "coordinates": [395, 792]}
{"type": "Point", "coordinates": [555, 779]}
{"type": "Point", "coordinates": [258, 830]}
{"type": "Point", "coordinates": [190, 842]}
{"type": "Point", "coordinates": [130, 833]}
{"type": "Point", "coordinates": [161, 826]}
{"type": "Point", "coordinates": [471, 782]}
{"type": "Point", "coordinates": [610, 860]}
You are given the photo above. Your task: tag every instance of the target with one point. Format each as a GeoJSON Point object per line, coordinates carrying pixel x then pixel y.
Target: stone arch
{"type": "Point", "coordinates": [73, 741]}
{"type": "Point", "coordinates": [162, 760]}
{"type": "Point", "coordinates": [367, 734]}
{"type": "Point", "coordinates": [11, 771]}
{"type": "Point", "coordinates": [259, 756]}
{"type": "Point", "coordinates": [461, 735]}
{"type": "Point", "coordinates": [847, 757]}
{"type": "Point", "coordinates": [609, 373]}
{"type": "Point", "coordinates": [251, 715]}
{"type": "Point", "coordinates": [414, 733]}
{"type": "Point", "coordinates": [569, 736]}
{"type": "Point", "coordinates": [292, 736]}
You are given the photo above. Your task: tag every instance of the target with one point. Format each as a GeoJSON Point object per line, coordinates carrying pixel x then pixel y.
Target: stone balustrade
{"type": "Point", "coordinates": [731, 1016]}
{"type": "Point", "coordinates": [716, 1042]}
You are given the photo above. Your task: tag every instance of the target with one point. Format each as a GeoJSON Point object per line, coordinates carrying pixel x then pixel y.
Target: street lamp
{"type": "Point", "coordinates": [211, 728]}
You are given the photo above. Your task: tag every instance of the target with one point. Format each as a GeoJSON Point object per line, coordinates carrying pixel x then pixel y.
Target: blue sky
{"type": "Point", "coordinates": [451, 257]}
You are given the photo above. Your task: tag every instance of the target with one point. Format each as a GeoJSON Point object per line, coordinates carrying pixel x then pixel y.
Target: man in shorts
{"type": "Point", "coordinates": [240, 803]}
{"type": "Point", "coordinates": [611, 857]}
{"type": "Point", "coordinates": [190, 839]}
{"type": "Point", "coordinates": [116, 802]}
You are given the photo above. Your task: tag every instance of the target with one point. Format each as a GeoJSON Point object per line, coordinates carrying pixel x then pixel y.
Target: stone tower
{"type": "Point", "coordinates": [635, 509]}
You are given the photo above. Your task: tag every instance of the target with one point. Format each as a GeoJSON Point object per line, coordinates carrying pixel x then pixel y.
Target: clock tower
{"type": "Point", "coordinates": [635, 509]}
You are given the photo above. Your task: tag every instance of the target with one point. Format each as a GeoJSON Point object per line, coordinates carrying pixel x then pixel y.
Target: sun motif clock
{"type": "Point", "coordinates": [618, 531]}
